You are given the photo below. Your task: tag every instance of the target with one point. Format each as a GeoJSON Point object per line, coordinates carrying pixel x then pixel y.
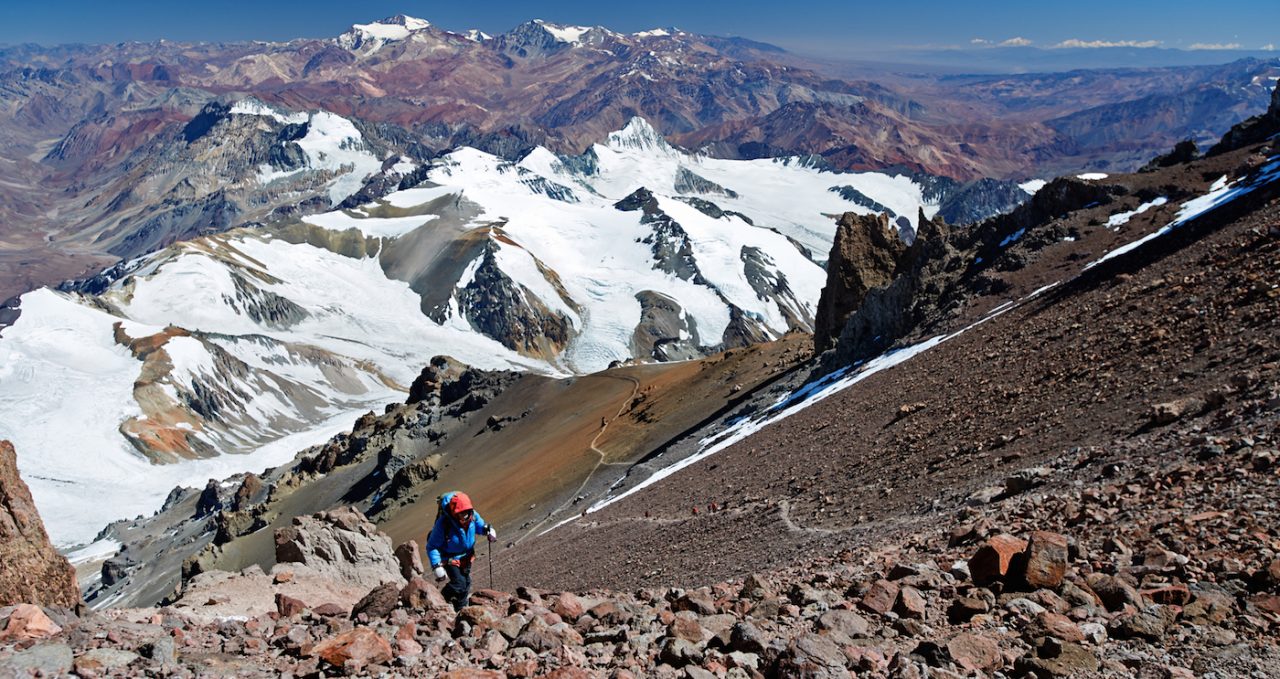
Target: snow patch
{"type": "Point", "coordinates": [565, 34]}
{"type": "Point", "coordinates": [1118, 220]}
{"type": "Point", "coordinates": [253, 107]}
{"type": "Point", "coordinates": [376, 227]}
{"type": "Point", "coordinates": [1032, 187]}
{"type": "Point", "coordinates": [1219, 194]}
{"type": "Point", "coordinates": [1013, 237]}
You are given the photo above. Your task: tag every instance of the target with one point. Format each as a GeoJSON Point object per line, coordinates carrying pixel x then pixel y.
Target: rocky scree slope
{"type": "Point", "coordinates": [1121, 591]}
{"type": "Point", "coordinates": [993, 371]}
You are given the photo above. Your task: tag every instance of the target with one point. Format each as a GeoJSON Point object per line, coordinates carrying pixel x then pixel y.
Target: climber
{"type": "Point", "coordinates": [451, 545]}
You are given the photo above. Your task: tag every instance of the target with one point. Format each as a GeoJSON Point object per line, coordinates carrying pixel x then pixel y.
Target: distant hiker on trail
{"type": "Point", "coordinates": [451, 546]}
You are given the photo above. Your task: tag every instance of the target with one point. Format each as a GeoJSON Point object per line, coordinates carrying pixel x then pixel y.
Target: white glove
{"type": "Point", "coordinates": [493, 534]}
{"type": "Point", "coordinates": [440, 574]}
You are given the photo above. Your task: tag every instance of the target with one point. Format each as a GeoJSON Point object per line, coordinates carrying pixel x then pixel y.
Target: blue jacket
{"type": "Point", "coordinates": [448, 540]}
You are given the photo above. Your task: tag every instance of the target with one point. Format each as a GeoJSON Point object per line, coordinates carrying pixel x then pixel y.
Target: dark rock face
{"type": "Point", "coordinates": [500, 308]}
{"type": "Point", "coordinates": [266, 307]}
{"type": "Point", "coordinates": [529, 40]}
{"type": "Point", "coordinates": [663, 333]}
{"type": "Point", "coordinates": [31, 570]}
{"type": "Point", "coordinates": [886, 313]}
{"type": "Point", "coordinates": [1184, 152]}
{"type": "Point", "coordinates": [688, 182]}
{"type": "Point", "coordinates": [432, 379]}
{"type": "Point", "coordinates": [859, 198]}
{"type": "Point", "coordinates": [864, 256]}
{"type": "Point", "coordinates": [770, 283]}
{"type": "Point", "coordinates": [184, 221]}
{"type": "Point", "coordinates": [210, 501]}
{"type": "Point", "coordinates": [975, 201]}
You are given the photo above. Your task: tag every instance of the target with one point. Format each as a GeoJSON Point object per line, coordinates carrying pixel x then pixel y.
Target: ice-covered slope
{"type": "Point", "coordinates": [230, 352]}
{"type": "Point", "coordinates": [204, 360]}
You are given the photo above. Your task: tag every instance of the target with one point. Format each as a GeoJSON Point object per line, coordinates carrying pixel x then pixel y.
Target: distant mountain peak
{"type": "Point", "coordinates": [567, 34]}
{"type": "Point", "coordinates": [658, 32]}
{"type": "Point", "coordinates": [639, 135]}
{"type": "Point", "coordinates": [373, 36]}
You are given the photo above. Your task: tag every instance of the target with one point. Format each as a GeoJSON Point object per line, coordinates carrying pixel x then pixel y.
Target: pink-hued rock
{"type": "Point", "coordinates": [1046, 559]}
{"type": "Point", "coordinates": [880, 597]}
{"type": "Point", "coordinates": [361, 644]}
{"type": "Point", "coordinates": [31, 570]}
{"type": "Point", "coordinates": [568, 606]}
{"type": "Point", "coordinates": [28, 622]}
{"type": "Point", "coordinates": [994, 558]}
{"type": "Point", "coordinates": [974, 652]}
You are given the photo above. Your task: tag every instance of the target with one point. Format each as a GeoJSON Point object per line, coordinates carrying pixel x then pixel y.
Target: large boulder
{"type": "Point", "coordinates": [864, 255]}
{"type": "Point", "coordinates": [31, 570]}
{"type": "Point", "coordinates": [341, 544]}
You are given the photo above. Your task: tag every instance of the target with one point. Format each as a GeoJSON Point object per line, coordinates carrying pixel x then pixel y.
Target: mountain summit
{"type": "Point", "coordinates": [370, 37]}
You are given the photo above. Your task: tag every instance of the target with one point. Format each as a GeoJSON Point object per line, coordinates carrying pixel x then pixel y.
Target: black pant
{"type": "Point", "coordinates": [458, 591]}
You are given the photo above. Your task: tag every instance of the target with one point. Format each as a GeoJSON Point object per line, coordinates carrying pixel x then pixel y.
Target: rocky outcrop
{"type": "Point", "coordinates": [31, 570]}
{"type": "Point", "coordinates": [918, 291]}
{"type": "Point", "coordinates": [508, 312]}
{"type": "Point", "coordinates": [865, 255]}
{"type": "Point", "coordinates": [665, 332]}
{"type": "Point", "coordinates": [441, 370]}
{"type": "Point", "coordinates": [1184, 151]}
{"type": "Point", "coordinates": [669, 242]}
{"type": "Point", "coordinates": [342, 544]}
{"type": "Point", "coordinates": [878, 291]}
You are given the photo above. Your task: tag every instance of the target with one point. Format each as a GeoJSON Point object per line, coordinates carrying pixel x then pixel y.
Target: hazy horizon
{"type": "Point", "coordinates": [818, 28]}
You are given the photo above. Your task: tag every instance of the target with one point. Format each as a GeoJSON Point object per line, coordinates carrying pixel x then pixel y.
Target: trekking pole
{"type": "Point", "coordinates": [490, 565]}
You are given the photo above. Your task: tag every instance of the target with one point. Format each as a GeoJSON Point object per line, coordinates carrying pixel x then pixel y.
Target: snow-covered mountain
{"type": "Point", "coordinates": [230, 352]}
{"type": "Point", "coordinates": [371, 37]}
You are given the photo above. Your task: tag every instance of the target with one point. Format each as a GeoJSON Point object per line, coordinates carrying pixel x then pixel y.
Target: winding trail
{"type": "Point", "coordinates": [782, 509]}
{"type": "Point", "coordinates": [626, 405]}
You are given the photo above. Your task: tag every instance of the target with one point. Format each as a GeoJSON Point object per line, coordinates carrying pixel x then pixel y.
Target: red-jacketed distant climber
{"type": "Point", "coordinates": [451, 546]}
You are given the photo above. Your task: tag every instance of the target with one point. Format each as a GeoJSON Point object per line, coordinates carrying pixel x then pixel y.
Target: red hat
{"type": "Point", "coordinates": [459, 503]}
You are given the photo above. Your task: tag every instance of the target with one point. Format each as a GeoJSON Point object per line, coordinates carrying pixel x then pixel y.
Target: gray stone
{"type": "Point", "coordinates": [1024, 607]}
{"type": "Point", "coordinates": [1149, 622]}
{"type": "Point", "coordinates": [51, 660]}
{"type": "Point", "coordinates": [847, 622]}
{"type": "Point", "coordinates": [1094, 633]}
{"type": "Point", "coordinates": [679, 652]}
{"type": "Point", "coordinates": [1070, 660]}
{"type": "Point", "coordinates": [747, 638]}
{"type": "Point", "coordinates": [104, 660]}
{"type": "Point", "coordinates": [814, 656]}
{"type": "Point", "coordinates": [748, 661]}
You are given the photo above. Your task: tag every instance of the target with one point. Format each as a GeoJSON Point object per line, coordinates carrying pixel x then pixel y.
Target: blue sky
{"type": "Point", "coordinates": [819, 27]}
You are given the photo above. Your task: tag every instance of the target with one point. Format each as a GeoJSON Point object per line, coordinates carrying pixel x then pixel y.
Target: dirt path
{"type": "Point", "coordinates": [604, 426]}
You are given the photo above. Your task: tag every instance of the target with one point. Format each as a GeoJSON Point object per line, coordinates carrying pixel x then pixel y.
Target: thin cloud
{"type": "Point", "coordinates": [979, 41]}
{"type": "Point", "coordinates": [1016, 42]}
{"type": "Point", "coordinates": [1215, 46]}
{"type": "Point", "coordinates": [1269, 47]}
{"type": "Point", "coordinates": [1076, 43]}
